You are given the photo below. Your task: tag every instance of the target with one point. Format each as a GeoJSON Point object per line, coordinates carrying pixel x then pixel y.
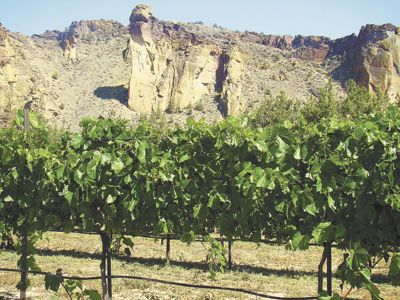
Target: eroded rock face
{"type": "Point", "coordinates": [8, 76]}
{"type": "Point", "coordinates": [171, 68]}
{"type": "Point", "coordinates": [86, 31]}
{"type": "Point", "coordinates": [231, 94]}
{"type": "Point", "coordinates": [69, 47]}
{"type": "Point", "coordinates": [89, 30]}
{"type": "Point", "coordinates": [377, 58]}
{"type": "Point", "coordinates": [315, 48]}
{"type": "Point", "coordinates": [281, 42]}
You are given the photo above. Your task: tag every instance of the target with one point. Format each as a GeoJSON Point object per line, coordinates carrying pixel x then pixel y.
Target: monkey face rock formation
{"type": "Point", "coordinates": [173, 69]}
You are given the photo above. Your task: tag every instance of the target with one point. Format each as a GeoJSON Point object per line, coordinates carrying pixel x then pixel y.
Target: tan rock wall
{"type": "Point", "coordinates": [231, 95]}
{"type": "Point", "coordinates": [7, 72]}
{"type": "Point", "coordinates": [171, 72]}
{"type": "Point", "coordinates": [167, 74]}
{"type": "Point", "coordinates": [380, 67]}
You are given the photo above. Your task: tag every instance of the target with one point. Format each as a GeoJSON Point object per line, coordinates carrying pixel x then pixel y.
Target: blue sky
{"type": "Point", "coordinates": [334, 18]}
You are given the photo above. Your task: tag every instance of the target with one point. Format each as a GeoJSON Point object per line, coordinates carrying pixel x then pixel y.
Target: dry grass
{"type": "Point", "coordinates": [264, 268]}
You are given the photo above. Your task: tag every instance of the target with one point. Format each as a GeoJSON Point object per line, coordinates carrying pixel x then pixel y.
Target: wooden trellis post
{"type": "Point", "coordinates": [326, 256]}
{"type": "Point", "coordinates": [24, 238]}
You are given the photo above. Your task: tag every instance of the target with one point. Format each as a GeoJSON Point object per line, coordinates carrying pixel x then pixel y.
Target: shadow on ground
{"type": "Point", "coordinates": [377, 278]}
{"type": "Point", "coordinates": [118, 92]}
{"type": "Point", "coordinates": [7, 296]}
{"type": "Point", "coordinates": [185, 264]}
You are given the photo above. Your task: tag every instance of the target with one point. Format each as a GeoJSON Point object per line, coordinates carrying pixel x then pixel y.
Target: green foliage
{"type": "Point", "coordinates": [324, 106]}
{"type": "Point", "coordinates": [216, 260]}
{"type": "Point", "coordinates": [123, 244]}
{"type": "Point", "coordinates": [357, 103]}
{"type": "Point", "coordinates": [275, 110]}
{"type": "Point", "coordinates": [74, 288]}
{"type": "Point", "coordinates": [394, 269]}
{"type": "Point", "coordinates": [336, 183]}
{"type": "Point", "coordinates": [324, 296]}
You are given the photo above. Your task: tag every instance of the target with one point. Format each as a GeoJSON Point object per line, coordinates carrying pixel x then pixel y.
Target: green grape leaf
{"type": "Point", "coordinates": [68, 196]}
{"type": "Point", "coordinates": [324, 232]}
{"type": "Point", "coordinates": [92, 294]}
{"type": "Point", "coordinates": [53, 282]}
{"type": "Point", "coordinates": [76, 141]}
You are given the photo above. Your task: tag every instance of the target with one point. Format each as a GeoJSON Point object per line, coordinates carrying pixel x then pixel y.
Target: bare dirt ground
{"type": "Point", "coordinates": [262, 268]}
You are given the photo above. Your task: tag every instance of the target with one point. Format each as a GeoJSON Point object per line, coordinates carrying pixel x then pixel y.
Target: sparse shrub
{"type": "Point", "coordinates": [172, 106]}
{"type": "Point", "coordinates": [158, 111]}
{"type": "Point", "coordinates": [323, 106]}
{"type": "Point", "coordinates": [264, 66]}
{"type": "Point", "coordinates": [268, 92]}
{"type": "Point", "coordinates": [360, 101]}
{"type": "Point", "coordinates": [190, 109]}
{"type": "Point", "coordinates": [309, 75]}
{"type": "Point", "coordinates": [277, 57]}
{"type": "Point", "coordinates": [199, 106]}
{"type": "Point", "coordinates": [88, 37]}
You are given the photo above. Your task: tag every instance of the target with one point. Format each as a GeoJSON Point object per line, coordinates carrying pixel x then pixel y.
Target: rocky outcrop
{"type": "Point", "coordinates": [171, 68]}
{"type": "Point", "coordinates": [231, 84]}
{"type": "Point", "coordinates": [377, 59]}
{"type": "Point", "coordinates": [281, 42]}
{"type": "Point", "coordinates": [7, 75]}
{"type": "Point", "coordinates": [68, 46]}
{"type": "Point", "coordinates": [89, 30]}
{"type": "Point", "coordinates": [315, 48]}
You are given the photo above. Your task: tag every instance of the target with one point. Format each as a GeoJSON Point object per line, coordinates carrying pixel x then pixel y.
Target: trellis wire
{"type": "Point", "coordinates": [199, 286]}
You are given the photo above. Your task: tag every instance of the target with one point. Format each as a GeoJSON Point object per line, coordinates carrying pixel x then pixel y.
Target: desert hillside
{"type": "Point", "coordinates": [173, 70]}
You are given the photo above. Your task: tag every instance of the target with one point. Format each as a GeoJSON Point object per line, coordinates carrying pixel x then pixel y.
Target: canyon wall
{"type": "Point", "coordinates": [174, 66]}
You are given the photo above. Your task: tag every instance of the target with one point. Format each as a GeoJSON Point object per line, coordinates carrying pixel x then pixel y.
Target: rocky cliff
{"type": "Point", "coordinates": [371, 57]}
{"type": "Point", "coordinates": [7, 72]}
{"type": "Point", "coordinates": [174, 66]}
{"type": "Point", "coordinates": [376, 58]}
{"type": "Point", "coordinates": [172, 69]}
{"type": "Point", "coordinates": [12, 88]}
{"type": "Point", "coordinates": [175, 70]}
